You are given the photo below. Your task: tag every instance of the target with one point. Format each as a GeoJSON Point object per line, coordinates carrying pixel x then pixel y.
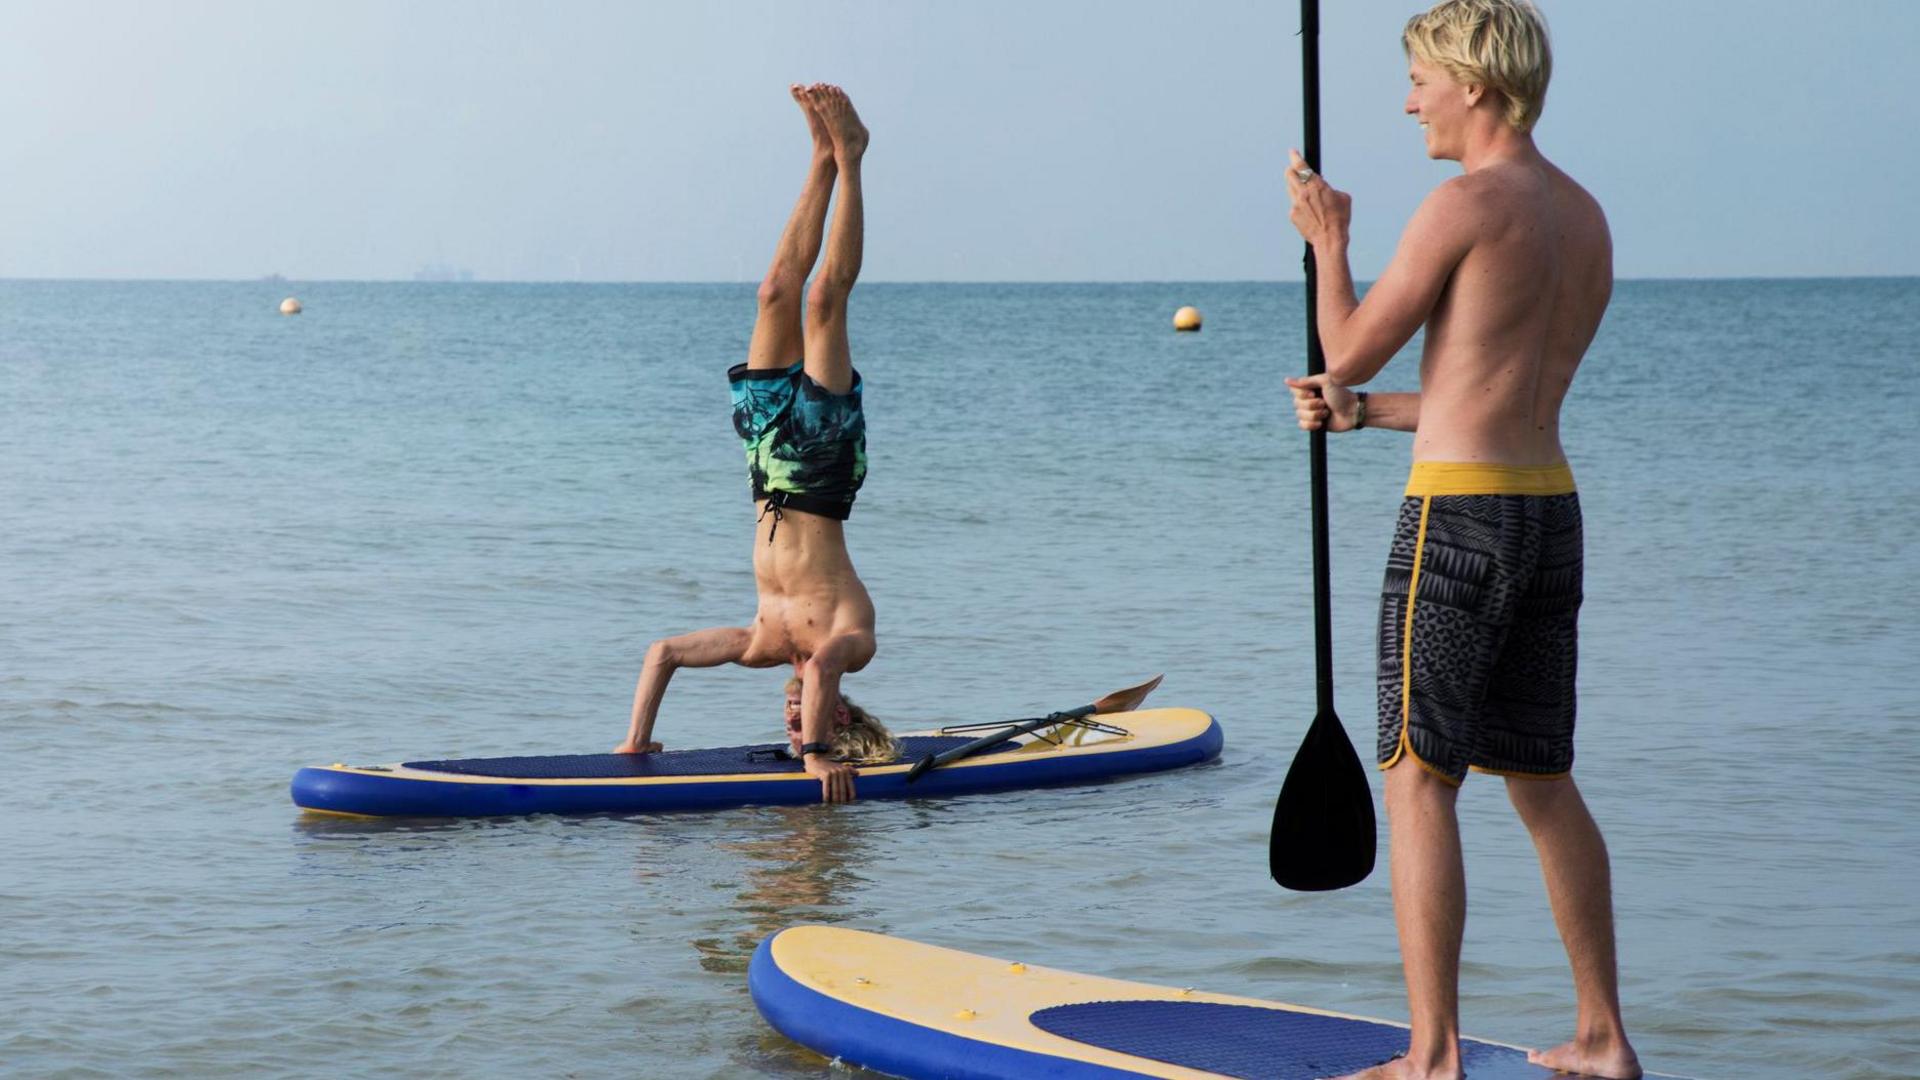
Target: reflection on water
{"type": "Point", "coordinates": [804, 867]}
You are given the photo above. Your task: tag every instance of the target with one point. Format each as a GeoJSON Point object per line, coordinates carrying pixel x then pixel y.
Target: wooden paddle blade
{"type": "Point", "coordinates": [1129, 699]}
{"type": "Point", "coordinates": [1323, 830]}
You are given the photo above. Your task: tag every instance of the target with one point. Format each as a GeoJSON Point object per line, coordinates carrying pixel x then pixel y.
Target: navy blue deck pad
{"type": "Point", "coordinates": [1255, 1043]}
{"type": "Point", "coordinates": [709, 761]}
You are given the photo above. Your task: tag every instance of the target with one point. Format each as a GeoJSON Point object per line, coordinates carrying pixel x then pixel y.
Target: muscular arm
{"type": "Point", "coordinates": [1393, 412]}
{"type": "Point", "coordinates": [1319, 401]}
{"type": "Point", "coordinates": [702, 648]}
{"type": "Point", "coordinates": [1360, 336]}
{"type": "Point", "coordinates": [819, 694]}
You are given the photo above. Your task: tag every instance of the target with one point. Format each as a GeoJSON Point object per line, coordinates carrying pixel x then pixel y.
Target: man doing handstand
{"type": "Point", "coordinates": [805, 437]}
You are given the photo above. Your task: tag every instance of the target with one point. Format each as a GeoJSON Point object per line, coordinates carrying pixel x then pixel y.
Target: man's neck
{"type": "Point", "coordinates": [1499, 145]}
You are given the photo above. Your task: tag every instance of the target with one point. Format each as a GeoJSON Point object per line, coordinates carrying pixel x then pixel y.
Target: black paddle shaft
{"type": "Point", "coordinates": [1323, 828]}
{"type": "Point", "coordinates": [1316, 365]}
{"type": "Point", "coordinates": [1020, 727]}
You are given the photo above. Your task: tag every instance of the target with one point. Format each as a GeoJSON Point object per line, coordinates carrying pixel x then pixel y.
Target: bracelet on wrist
{"type": "Point", "coordinates": [816, 748]}
{"type": "Point", "coordinates": [1359, 409]}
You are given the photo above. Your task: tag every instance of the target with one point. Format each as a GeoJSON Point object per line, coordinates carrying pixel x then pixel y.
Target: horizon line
{"type": "Point", "coordinates": [277, 280]}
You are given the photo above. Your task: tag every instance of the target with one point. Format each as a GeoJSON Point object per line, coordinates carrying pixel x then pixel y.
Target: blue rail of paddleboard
{"type": "Point", "coordinates": [393, 796]}
{"type": "Point", "coordinates": [839, 1029]}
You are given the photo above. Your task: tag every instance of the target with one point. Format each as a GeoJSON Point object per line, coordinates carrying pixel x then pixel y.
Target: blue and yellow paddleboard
{"type": "Point", "coordinates": [919, 1011]}
{"type": "Point", "coordinates": [1065, 753]}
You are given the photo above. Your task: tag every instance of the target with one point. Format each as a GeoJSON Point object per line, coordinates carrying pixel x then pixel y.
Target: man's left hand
{"type": "Point", "coordinates": [836, 777]}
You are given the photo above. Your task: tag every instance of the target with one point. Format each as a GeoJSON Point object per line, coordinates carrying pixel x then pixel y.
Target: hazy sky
{"type": "Point", "coordinates": [1082, 140]}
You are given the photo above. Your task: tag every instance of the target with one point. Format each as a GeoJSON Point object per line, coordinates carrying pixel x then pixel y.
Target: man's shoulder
{"type": "Point", "coordinates": [1462, 207]}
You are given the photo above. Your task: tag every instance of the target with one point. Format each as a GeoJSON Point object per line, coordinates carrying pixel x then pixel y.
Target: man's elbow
{"type": "Point", "coordinates": [1350, 370]}
{"type": "Point", "coordinates": [819, 668]}
{"type": "Point", "coordinates": [661, 654]}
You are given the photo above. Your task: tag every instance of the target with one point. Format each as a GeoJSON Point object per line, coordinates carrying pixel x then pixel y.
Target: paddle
{"type": "Point", "coordinates": [1323, 830]}
{"type": "Point", "coordinates": [1118, 701]}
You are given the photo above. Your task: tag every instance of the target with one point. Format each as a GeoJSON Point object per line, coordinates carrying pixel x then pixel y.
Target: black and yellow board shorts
{"type": "Point", "coordinates": [1478, 621]}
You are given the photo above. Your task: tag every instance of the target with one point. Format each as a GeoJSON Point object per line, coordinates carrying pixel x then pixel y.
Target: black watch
{"type": "Point", "coordinates": [816, 748]}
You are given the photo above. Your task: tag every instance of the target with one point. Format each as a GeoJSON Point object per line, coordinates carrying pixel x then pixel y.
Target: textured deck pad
{"type": "Point", "coordinates": [712, 761]}
{"type": "Point", "coordinates": [1256, 1043]}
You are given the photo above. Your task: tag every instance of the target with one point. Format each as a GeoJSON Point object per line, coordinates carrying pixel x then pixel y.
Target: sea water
{"type": "Point", "coordinates": [446, 520]}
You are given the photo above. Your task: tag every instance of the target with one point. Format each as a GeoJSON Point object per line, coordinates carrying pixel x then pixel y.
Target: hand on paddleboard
{"type": "Point", "coordinates": [836, 778]}
{"type": "Point", "coordinates": [1318, 397]}
{"type": "Point", "coordinates": [631, 747]}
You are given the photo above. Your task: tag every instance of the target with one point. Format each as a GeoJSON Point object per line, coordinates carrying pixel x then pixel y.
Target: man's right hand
{"type": "Point", "coordinates": [836, 777]}
{"type": "Point", "coordinates": [1319, 401]}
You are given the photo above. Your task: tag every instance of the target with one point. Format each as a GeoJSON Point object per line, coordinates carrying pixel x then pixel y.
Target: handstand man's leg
{"type": "Point", "coordinates": [777, 339]}
{"type": "Point", "coordinates": [1573, 859]}
{"type": "Point", "coordinates": [829, 361]}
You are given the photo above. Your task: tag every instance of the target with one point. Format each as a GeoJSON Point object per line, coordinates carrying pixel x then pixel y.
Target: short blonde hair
{"type": "Point", "coordinates": [1499, 44]}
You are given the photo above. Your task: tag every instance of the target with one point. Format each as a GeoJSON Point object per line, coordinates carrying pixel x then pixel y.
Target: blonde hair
{"type": "Point", "coordinates": [1499, 44]}
{"type": "Point", "coordinates": [865, 740]}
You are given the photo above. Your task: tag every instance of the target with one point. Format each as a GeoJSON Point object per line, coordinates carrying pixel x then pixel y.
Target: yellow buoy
{"type": "Point", "coordinates": [289, 306]}
{"type": "Point", "coordinates": [1187, 318]}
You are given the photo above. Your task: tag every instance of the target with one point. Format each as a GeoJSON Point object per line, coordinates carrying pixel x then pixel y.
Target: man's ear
{"type": "Point", "coordinates": [1474, 93]}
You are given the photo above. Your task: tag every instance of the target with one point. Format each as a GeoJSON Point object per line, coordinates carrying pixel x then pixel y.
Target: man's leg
{"type": "Point", "coordinates": [777, 340]}
{"type": "Point", "coordinates": [1573, 859]}
{"type": "Point", "coordinates": [829, 361]}
{"type": "Point", "coordinates": [1430, 909]}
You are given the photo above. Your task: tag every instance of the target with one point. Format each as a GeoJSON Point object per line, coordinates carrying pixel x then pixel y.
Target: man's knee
{"type": "Point", "coordinates": [826, 298]}
{"type": "Point", "coordinates": [1533, 797]}
{"type": "Point", "coordinates": [1410, 785]}
{"type": "Point", "coordinates": [780, 288]}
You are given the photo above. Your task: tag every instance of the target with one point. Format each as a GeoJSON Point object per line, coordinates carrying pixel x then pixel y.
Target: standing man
{"type": "Point", "coordinates": [797, 410]}
{"type": "Point", "coordinates": [1509, 268]}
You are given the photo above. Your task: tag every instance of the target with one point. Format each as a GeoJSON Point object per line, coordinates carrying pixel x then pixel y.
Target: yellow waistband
{"type": "Point", "coordinates": [1473, 478]}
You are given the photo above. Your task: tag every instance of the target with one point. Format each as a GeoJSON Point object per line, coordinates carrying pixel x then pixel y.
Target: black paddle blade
{"type": "Point", "coordinates": [1323, 830]}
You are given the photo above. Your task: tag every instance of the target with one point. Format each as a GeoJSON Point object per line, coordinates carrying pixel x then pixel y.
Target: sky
{"type": "Point", "coordinates": [1052, 140]}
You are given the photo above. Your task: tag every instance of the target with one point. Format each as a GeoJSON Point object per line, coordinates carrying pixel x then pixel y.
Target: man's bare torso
{"type": "Point", "coordinates": [1515, 319]}
{"type": "Point", "coordinates": [809, 592]}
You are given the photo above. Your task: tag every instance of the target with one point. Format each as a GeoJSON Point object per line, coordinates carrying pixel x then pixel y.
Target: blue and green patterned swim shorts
{"type": "Point", "coordinates": [806, 446]}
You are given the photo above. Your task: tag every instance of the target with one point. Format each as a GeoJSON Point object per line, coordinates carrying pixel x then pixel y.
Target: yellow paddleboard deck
{"type": "Point", "coordinates": [908, 1009]}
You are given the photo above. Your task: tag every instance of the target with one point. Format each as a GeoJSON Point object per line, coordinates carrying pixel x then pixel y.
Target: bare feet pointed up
{"type": "Point", "coordinates": [817, 127]}
{"type": "Point", "coordinates": [834, 107]}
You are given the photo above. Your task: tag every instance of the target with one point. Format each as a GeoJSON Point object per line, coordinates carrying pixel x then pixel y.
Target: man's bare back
{"type": "Point", "coordinates": [1509, 268]}
{"type": "Point", "coordinates": [1514, 319]}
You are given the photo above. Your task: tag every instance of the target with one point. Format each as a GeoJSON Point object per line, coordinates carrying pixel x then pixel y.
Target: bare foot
{"type": "Point", "coordinates": [834, 107]}
{"type": "Point", "coordinates": [631, 747]}
{"type": "Point", "coordinates": [1611, 1061]}
{"type": "Point", "coordinates": [1402, 1069]}
{"type": "Point", "coordinates": [822, 138]}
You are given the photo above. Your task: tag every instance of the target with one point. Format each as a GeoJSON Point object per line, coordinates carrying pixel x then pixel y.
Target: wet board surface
{"type": "Point", "coordinates": [913, 1010]}
{"type": "Point", "coordinates": [717, 778]}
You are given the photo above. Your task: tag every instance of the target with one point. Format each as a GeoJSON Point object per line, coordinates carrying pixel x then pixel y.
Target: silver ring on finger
{"type": "Point", "coordinates": [1303, 174]}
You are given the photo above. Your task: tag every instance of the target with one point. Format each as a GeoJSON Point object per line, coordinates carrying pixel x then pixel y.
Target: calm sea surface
{"type": "Point", "coordinates": [434, 521]}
